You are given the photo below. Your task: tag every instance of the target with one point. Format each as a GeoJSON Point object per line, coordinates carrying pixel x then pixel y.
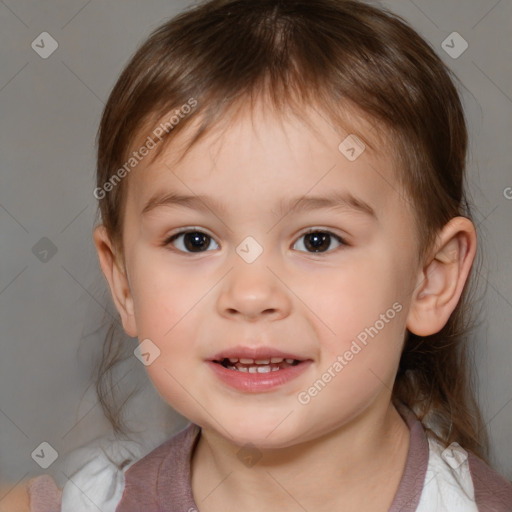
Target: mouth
{"type": "Point", "coordinates": [255, 370]}
{"type": "Point", "coordinates": [263, 365]}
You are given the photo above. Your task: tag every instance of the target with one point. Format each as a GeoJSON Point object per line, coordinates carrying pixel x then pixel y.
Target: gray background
{"type": "Point", "coordinates": [53, 312]}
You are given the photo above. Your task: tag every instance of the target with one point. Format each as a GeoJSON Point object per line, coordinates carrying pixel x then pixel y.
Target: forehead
{"type": "Point", "coordinates": [273, 156]}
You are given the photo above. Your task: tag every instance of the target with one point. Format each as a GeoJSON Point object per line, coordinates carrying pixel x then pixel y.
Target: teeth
{"type": "Point", "coordinates": [271, 364]}
{"type": "Point", "coordinates": [255, 368]}
{"type": "Point", "coordinates": [260, 361]}
{"type": "Point", "coordinates": [259, 369]}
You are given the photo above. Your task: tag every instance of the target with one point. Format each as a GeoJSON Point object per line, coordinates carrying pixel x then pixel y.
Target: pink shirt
{"type": "Point", "coordinates": [434, 479]}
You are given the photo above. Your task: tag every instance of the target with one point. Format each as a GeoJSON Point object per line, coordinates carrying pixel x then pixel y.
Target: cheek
{"type": "Point", "coordinates": [354, 294]}
{"type": "Point", "coordinates": [162, 295]}
{"type": "Point", "coordinates": [168, 308]}
{"type": "Point", "coordinates": [359, 361]}
{"type": "Point", "coordinates": [359, 311]}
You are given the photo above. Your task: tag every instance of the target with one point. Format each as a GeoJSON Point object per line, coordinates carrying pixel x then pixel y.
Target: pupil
{"type": "Point", "coordinates": [314, 241]}
{"type": "Point", "coordinates": [196, 240]}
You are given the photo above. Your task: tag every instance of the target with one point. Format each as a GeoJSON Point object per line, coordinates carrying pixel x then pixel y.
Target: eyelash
{"type": "Point", "coordinates": [337, 238]}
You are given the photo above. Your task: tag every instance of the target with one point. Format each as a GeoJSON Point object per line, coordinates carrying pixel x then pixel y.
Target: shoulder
{"type": "Point", "coordinates": [44, 495]}
{"type": "Point", "coordinates": [162, 475]}
{"type": "Point", "coordinates": [492, 491]}
{"type": "Point", "coordinates": [95, 483]}
{"type": "Point", "coordinates": [457, 480]}
{"type": "Point", "coordinates": [174, 450]}
{"type": "Point", "coordinates": [39, 494]}
{"type": "Point", "coordinates": [98, 477]}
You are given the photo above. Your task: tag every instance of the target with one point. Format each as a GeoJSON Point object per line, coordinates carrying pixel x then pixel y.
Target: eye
{"type": "Point", "coordinates": [318, 241]}
{"type": "Point", "coordinates": [191, 241]}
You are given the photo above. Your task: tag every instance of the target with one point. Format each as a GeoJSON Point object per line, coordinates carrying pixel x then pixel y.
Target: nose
{"type": "Point", "coordinates": [252, 292]}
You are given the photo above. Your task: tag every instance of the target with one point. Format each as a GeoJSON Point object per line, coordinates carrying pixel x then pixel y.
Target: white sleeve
{"type": "Point", "coordinates": [98, 484]}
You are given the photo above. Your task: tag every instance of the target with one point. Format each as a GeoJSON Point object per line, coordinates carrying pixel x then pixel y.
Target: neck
{"type": "Point", "coordinates": [363, 461]}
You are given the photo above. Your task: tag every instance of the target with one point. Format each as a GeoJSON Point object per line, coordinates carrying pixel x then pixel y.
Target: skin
{"type": "Point", "coordinates": [349, 437]}
{"type": "Point", "coordinates": [14, 499]}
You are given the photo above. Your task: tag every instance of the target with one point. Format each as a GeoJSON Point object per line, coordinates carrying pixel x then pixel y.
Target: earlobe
{"type": "Point", "coordinates": [441, 281]}
{"type": "Point", "coordinates": [116, 278]}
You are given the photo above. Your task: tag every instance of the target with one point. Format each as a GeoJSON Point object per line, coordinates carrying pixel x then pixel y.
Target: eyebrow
{"type": "Point", "coordinates": [332, 200]}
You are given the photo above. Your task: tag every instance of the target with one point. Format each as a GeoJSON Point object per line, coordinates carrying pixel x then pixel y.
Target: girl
{"type": "Point", "coordinates": [285, 230]}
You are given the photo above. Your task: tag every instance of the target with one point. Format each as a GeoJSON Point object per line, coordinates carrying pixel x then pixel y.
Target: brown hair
{"type": "Point", "coordinates": [332, 54]}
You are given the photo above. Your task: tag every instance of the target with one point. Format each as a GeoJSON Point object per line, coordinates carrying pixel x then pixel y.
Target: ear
{"type": "Point", "coordinates": [441, 281]}
{"type": "Point", "coordinates": [116, 278]}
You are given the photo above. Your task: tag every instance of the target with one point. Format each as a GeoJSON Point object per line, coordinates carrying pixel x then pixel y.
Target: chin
{"type": "Point", "coordinates": [269, 432]}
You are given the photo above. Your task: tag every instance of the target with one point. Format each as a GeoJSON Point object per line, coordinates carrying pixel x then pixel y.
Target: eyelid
{"type": "Point", "coordinates": [169, 239]}
{"type": "Point", "coordinates": [189, 229]}
{"type": "Point", "coordinates": [329, 231]}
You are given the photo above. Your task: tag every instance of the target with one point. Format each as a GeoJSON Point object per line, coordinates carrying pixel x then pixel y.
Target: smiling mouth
{"type": "Point", "coordinates": [272, 364]}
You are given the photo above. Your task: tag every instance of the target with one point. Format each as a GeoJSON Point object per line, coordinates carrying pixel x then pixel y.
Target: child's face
{"type": "Point", "coordinates": [312, 305]}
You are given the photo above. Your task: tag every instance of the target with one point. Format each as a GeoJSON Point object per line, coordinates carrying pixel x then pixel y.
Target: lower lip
{"type": "Point", "coordinates": [257, 382]}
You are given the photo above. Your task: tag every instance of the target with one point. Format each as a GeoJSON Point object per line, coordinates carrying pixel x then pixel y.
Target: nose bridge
{"type": "Point", "coordinates": [251, 290]}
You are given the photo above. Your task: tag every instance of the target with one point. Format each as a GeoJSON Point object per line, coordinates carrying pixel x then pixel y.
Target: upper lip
{"type": "Point", "coordinates": [255, 353]}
